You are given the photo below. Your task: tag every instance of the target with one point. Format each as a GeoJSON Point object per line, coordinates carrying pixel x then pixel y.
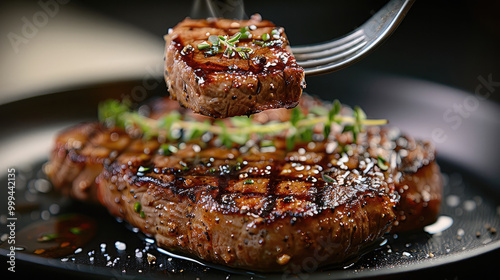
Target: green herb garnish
{"type": "Point", "coordinates": [245, 32]}
{"type": "Point", "coordinates": [137, 207]}
{"type": "Point", "coordinates": [357, 126]}
{"type": "Point", "coordinates": [240, 129]}
{"type": "Point", "coordinates": [382, 163]}
{"type": "Point", "coordinates": [332, 117]}
{"type": "Point", "coordinates": [265, 39]}
{"type": "Point", "coordinates": [248, 182]}
{"type": "Point", "coordinates": [204, 45]}
{"type": "Point", "coordinates": [227, 45]}
{"type": "Point", "coordinates": [328, 178]}
{"type": "Point", "coordinates": [167, 149]}
{"type": "Point", "coordinates": [266, 143]}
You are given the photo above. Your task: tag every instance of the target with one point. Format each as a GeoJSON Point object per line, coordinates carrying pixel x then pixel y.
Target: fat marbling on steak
{"type": "Point", "coordinates": [250, 206]}
{"type": "Point", "coordinates": [223, 86]}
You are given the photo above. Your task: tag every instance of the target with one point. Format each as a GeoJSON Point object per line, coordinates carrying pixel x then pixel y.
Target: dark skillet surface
{"type": "Point", "coordinates": [413, 105]}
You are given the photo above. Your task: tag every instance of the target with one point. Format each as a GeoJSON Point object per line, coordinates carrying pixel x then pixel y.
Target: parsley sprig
{"type": "Point", "coordinates": [239, 129]}
{"type": "Point", "coordinates": [226, 45]}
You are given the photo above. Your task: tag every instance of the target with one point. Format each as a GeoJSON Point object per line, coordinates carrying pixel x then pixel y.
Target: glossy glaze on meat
{"type": "Point", "coordinates": [255, 207]}
{"type": "Point", "coordinates": [220, 86]}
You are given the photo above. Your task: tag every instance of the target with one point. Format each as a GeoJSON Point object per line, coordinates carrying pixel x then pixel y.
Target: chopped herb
{"type": "Point", "coordinates": [327, 129]}
{"type": "Point", "coordinates": [137, 207]}
{"type": "Point", "coordinates": [233, 38]}
{"type": "Point", "coordinates": [248, 182]}
{"type": "Point", "coordinates": [76, 230]}
{"type": "Point", "coordinates": [353, 129]}
{"type": "Point", "coordinates": [344, 148]}
{"type": "Point", "coordinates": [319, 111]}
{"type": "Point", "coordinates": [245, 33]}
{"type": "Point", "coordinates": [142, 214]}
{"type": "Point", "coordinates": [265, 37]}
{"type": "Point", "coordinates": [47, 237]}
{"type": "Point", "coordinates": [167, 122]}
{"type": "Point", "coordinates": [270, 43]}
{"type": "Point", "coordinates": [143, 169]}
{"type": "Point", "coordinates": [332, 118]}
{"type": "Point", "coordinates": [382, 163]}
{"type": "Point", "coordinates": [113, 113]}
{"type": "Point", "coordinates": [328, 178]}
{"type": "Point", "coordinates": [357, 127]}
{"type": "Point", "coordinates": [267, 143]}
{"type": "Point", "coordinates": [296, 116]}
{"type": "Point", "coordinates": [204, 45]}
{"type": "Point", "coordinates": [335, 111]}
{"type": "Point", "coordinates": [166, 150]}
{"type": "Point", "coordinates": [224, 136]}
{"type": "Point", "coordinates": [290, 141]}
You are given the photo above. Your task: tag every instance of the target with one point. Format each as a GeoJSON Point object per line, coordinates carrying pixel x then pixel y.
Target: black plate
{"type": "Point", "coordinates": [467, 157]}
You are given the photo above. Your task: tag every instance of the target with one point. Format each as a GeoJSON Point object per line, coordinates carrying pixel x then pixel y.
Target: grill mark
{"type": "Point", "coordinates": [271, 196]}
{"type": "Point", "coordinates": [318, 199]}
{"type": "Point", "coordinates": [271, 186]}
{"type": "Point", "coordinates": [178, 187]}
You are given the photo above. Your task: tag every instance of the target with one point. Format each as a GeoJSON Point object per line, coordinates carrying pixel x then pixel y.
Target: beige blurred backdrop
{"type": "Point", "coordinates": [51, 45]}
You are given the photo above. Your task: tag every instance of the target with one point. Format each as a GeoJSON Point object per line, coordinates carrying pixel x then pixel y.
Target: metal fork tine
{"type": "Point", "coordinates": [332, 58]}
{"type": "Point", "coordinates": [331, 44]}
{"type": "Point", "coordinates": [330, 51]}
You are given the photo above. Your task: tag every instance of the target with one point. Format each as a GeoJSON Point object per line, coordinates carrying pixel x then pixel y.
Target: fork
{"type": "Point", "coordinates": [334, 55]}
{"type": "Point", "coordinates": [330, 56]}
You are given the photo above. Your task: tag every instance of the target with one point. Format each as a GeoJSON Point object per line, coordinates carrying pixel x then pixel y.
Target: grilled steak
{"type": "Point", "coordinates": [224, 85]}
{"type": "Point", "coordinates": [250, 206]}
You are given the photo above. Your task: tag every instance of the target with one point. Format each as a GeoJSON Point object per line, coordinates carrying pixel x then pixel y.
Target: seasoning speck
{"type": "Point", "coordinates": [453, 200]}
{"type": "Point", "coordinates": [283, 259]}
{"type": "Point", "coordinates": [120, 246]}
{"type": "Point", "coordinates": [407, 255]}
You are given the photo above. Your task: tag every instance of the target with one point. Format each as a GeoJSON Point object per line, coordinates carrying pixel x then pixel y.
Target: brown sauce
{"type": "Point", "coordinates": [57, 237]}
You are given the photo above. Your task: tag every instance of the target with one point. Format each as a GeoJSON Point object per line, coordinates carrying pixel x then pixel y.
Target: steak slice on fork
{"type": "Point", "coordinates": [222, 85]}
